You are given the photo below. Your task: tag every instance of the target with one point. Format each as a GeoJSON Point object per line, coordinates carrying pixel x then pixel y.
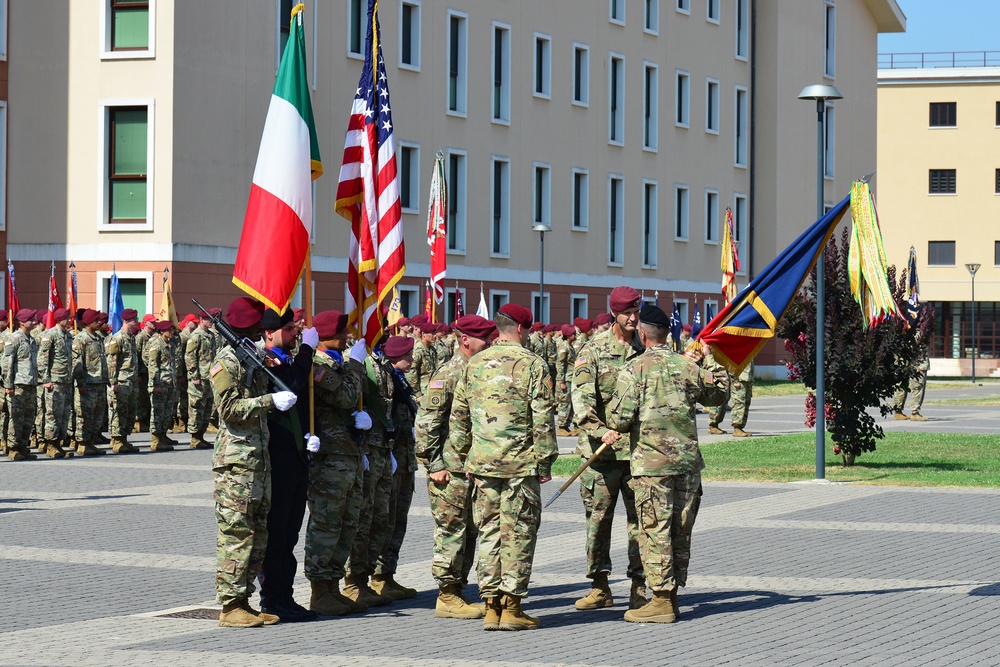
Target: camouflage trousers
{"type": "Point", "coordinates": [454, 532]}
{"type": "Point", "coordinates": [4, 414]}
{"type": "Point", "coordinates": [179, 402]}
{"type": "Point", "coordinates": [399, 508]}
{"type": "Point", "coordinates": [90, 408]}
{"type": "Point", "coordinates": [122, 406]}
{"type": "Point", "coordinates": [565, 405]}
{"type": "Point", "coordinates": [199, 406]}
{"type": "Point", "coordinates": [507, 513]}
{"type": "Point", "coordinates": [668, 507]}
{"type": "Point", "coordinates": [162, 409]}
{"type": "Point", "coordinates": [373, 525]}
{"type": "Point", "coordinates": [58, 405]}
{"type": "Point", "coordinates": [142, 405]}
{"type": "Point", "coordinates": [918, 386]}
{"type": "Point", "coordinates": [740, 397]}
{"type": "Point", "coordinates": [600, 486]}
{"type": "Point", "coordinates": [39, 427]}
{"type": "Point", "coordinates": [335, 495]}
{"type": "Point", "coordinates": [22, 416]}
{"type": "Point", "coordinates": [242, 501]}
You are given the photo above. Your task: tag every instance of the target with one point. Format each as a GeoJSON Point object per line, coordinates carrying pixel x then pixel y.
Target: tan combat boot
{"type": "Point", "coordinates": [637, 595]}
{"type": "Point", "coordinates": [673, 602]}
{"type": "Point", "coordinates": [740, 433]}
{"type": "Point", "coordinates": [87, 449]}
{"type": "Point", "coordinates": [386, 584]}
{"type": "Point", "coordinates": [236, 615]}
{"type": "Point", "coordinates": [659, 610]}
{"type": "Point", "coordinates": [211, 428]}
{"type": "Point", "coordinates": [356, 588]}
{"type": "Point", "coordinates": [324, 602]}
{"type": "Point", "coordinates": [899, 416]}
{"type": "Point", "coordinates": [494, 610]}
{"type": "Point", "coordinates": [198, 441]}
{"type": "Point", "coordinates": [21, 454]}
{"type": "Point", "coordinates": [53, 450]}
{"type": "Point", "coordinates": [118, 446]}
{"type": "Point", "coordinates": [450, 604]}
{"type": "Point", "coordinates": [268, 619]}
{"type": "Point", "coordinates": [514, 618]}
{"type": "Point", "coordinates": [160, 444]}
{"type": "Point", "coordinates": [599, 596]}
{"type": "Point", "coordinates": [356, 606]}
{"type": "Point", "coordinates": [917, 417]}
{"type": "Point", "coordinates": [715, 430]}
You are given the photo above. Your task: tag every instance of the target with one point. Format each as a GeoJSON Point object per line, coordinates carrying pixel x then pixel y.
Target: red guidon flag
{"type": "Point", "coordinates": [54, 302]}
{"type": "Point", "coordinates": [437, 228]}
{"type": "Point", "coordinates": [276, 229]}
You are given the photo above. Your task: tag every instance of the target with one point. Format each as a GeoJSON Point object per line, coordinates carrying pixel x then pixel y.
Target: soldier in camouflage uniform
{"type": "Point", "coordinates": [740, 392]}
{"type": "Point", "coordinates": [20, 374]}
{"type": "Point", "coordinates": [37, 430]}
{"type": "Point", "coordinates": [179, 400]}
{"type": "Point", "coordinates": [55, 370]}
{"type": "Point", "coordinates": [565, 360]}
{"type": "Point", "coordinates": [447, 486]}
{"type": "Point", "coordinates": [142, 406]}
{"type": "Point", "coordinates": [123, 360]}
{"type": "Point", "coordinates": [535, 339]}
{"type": "Point", "coordinates": [162, 375]}
{"type": "Point", "coordinates": [594, 377]}
{"type": "Point", "coordinates": [917, 387]}
{"type": "Point", "coordinates": [551, 355]}
{"type": "Point", "coordinates": [242, 470]}
{"type": "Point", "coordinates": [654, 401]}
{"type": "Point", "coordinates": [336, 480]}
{"type": "Point", "coordinates": [443, 349]}
{"type": "Point", "coordinates": [4, 412]}
{"type": "Point", "coordinates": [90, 372]}
{"type": "Point", "coordinates": [199, 352]}
{"type": "Point", "coordinates": [503, 415]}
{"type": "Point", "coordinates": [424, 360]}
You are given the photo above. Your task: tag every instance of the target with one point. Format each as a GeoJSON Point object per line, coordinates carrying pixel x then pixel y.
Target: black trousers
{"type": "Point", "coordinates": [289, 483]}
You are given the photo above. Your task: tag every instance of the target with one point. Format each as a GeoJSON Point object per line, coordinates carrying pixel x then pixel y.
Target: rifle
{"type": "Point", "coordinates": [249, 355]}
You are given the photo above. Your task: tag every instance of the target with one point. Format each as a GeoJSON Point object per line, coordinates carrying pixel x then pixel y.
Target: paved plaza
{"type": "Point", "coordinates": [103, 559]}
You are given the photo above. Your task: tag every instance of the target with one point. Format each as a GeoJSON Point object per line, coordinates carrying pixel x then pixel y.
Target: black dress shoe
{"type": "Point", "coordinates": [290, 611]}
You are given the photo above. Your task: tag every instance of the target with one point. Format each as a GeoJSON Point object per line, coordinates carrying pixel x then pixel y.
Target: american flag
{"type": "Point", "coordinates": [368, 194]}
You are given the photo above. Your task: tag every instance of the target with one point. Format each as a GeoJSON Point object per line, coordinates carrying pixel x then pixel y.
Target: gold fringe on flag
{"type": "Point", "coordinates": [866, 264]}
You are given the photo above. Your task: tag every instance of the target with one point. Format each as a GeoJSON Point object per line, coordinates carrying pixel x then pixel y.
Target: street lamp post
{"type": "Point", "coordinates": [972, 271]}
{"type": "Point", "coordinates": [820, 93]}
{"type": "Point", "coordinates": [541, 228]}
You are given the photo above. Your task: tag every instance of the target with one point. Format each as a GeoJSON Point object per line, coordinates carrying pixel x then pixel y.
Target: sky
{"type": "Point", "coordinates": [946, 25]}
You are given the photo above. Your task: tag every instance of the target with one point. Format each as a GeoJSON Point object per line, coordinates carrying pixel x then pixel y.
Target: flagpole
{"type": "Point", "coordinates": [307, 305]}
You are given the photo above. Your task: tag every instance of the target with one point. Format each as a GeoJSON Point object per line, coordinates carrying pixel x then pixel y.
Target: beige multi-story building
{"type": "Point", "coordinates": [626, 126]}
{"type": "Point", "coordinates": [939, 191]}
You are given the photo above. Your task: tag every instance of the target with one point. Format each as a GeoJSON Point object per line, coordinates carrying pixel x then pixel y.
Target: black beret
{"type": "Point", "coordinates": [654, 315]}
{"type": "Point", "coordinates": [271, 321]}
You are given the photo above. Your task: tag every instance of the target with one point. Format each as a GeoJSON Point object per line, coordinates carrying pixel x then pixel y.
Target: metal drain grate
{"type": "Point", "coordinates": [199, 613]}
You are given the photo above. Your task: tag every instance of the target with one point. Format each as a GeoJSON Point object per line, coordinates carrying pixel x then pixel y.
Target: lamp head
{"type": "Point", "coordinates": [819, 91]}
{"type": "Point", "coordinates": [541, 227]}
{"type": "Point", "coordinates": [972, 268]}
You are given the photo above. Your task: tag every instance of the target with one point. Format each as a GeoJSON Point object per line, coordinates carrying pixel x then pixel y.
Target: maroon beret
{"type": "Point", "coordinates": [60, 314]}
{"type": "Point", "coordinates": [443, 328]}
{"type": "Point", "coordinates": [297, 314]}
{"type": "Point", "coordinates": [3, 314]}
{"type": "Point", "coordinates": [519, 314]}
{"type": "Point", "coordinates": [687, 328]}
{"type": "Point", "coordinates": [603, 318]}
{"type": "Point", "coordinates": [244, 312]}
{"type": "Point", "coordinates": [329, 323]}
{"type": "Point", "coordinates": [428, 327]}
{"type": "Point", "coordinates": [102, 317]}
{"type": "Point", "coordinates": [89, 316]}
{"type": "Point", "coordinates": [25, 315]}
{"type": "Point", "coordinates": [623, 298]}
{"type": "Point", "coordinates": [537, 326]}
{"type": "Point", "coordinates": [568, 330]}
{"type": "Point", "coordinates": [584, 325]}
{"type": "Point", "coordinates": [164, 325]}
{"type": "Point", "coordinates": [475, 326]}
{"type": "Point", "coordinates": [398, 346]}
{"type": "Point", "coordinates": [403, 321]}
{"type": "Point", "coordinates": [129, 314]}
{"type": "Point", "coordinates": [417, 320]}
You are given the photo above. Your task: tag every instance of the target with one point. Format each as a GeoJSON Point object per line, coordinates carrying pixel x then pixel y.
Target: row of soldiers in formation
{"type": "Point", "coordinates": [64, 390]}
{"type": "Point", "coordinates": [483, 424]}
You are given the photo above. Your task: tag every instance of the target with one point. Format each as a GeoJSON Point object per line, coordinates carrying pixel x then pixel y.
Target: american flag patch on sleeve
{"type": "Point", "coordinates": [580, 361]}
{"type": "Point", "coordinates": [215, 369]}
{"type": "Point", "coordinates": [319, 375]}
{"type": "Point", "coordinates": [436, 384]}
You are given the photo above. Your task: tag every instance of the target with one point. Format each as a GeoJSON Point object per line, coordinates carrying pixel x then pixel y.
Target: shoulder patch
{"type": "Point", "coordinates": [580, 361]}
{"type": "Point", "coordinates": [319, 375]}
{"type": "Point", "coordinates": [436, 384]}
{"type": "Point", "coordinates": [215, 369]}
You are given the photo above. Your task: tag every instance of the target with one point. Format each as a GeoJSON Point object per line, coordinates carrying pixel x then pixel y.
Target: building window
{"type": "Point", "coordinates": [944, 114]}
{"type": "Point", "coordinates": [684, 6]}
{"type": "Point", "coordinates": [498, 298]}
{"type": "Point", "coordinates": [581, 74]}
{"type": "Point", "coordinates": [713, 12]}
{"type": "Point", "coordinates": [996, 253]}
{"type": "Point", "coordinates": [500, 196]}
{"type": "Point", "coordinates": [543, 66]}
{"type": "Point", "coordinates": [409, 35]}
{"type": "Point", "coordinates": [940, 253]}
{"type": "Point", "coordinates": [997, 190]}
{"type": "Point", "coordinates": [942, 182]}
{"type": "Point", "coordinates": [681, 212]}
{"type": "Point", "coordinates": [3, 32]}
{"type": "Point", "coordinates": [712, 106]}
{"type": "Point", "coordinates": [649, 224]}
{"type": "Point", "coordinates": [3, 164]}
{"type": "Point", "coordinates": [652, 17]}
{"type": "Point", "coordinates": [617, 11]}
{"type": "Point", "coordinates": [616, 100]}
{"type": "Point", "coordinates": [130, 25]}
{"type": "Point", "coordinates": [409, 177]}
{"type": "Point", "coordinates": [543, 193]}
{"type": "Point", "coordinates": [830, 44]}
{"type": "Point", "coordinates": [458, 62]}
{"type": "Point", "coordinates": [616, 218]}
{"type": "Point", "coordinates": [682, 115]}
{"type": "Point", "coordinates": [742, 29]}
{"type": "Point", "coordinates": [581, 193]}
{"type": "Point", "coordinates": [740, 228]}
{"type": "Point", "coordinates": [357, 14]}
{"type": "Point", "coordinates": [711, 216]}
{"type": "Point", "coordinates": [128, 165]}
{"type": "Point", "coordinates": [408, 300]}
{"type": "Point", "coordinates": [456, 201]}
{"type": "Point", "coordinates": [540, 307]}
{"type": "Point", "coordinates": [501, 72]}
{"type": "Point", "coordinates": [997, 120]}
{"type": "Point", "coordinates": [578, 306]}
{"type": "Point", "coordinates": [742, 133]}
{"type": "Point", "coordinates": [829, 140]}
{"type": "Point", "coordinates": [449, 314]}
{"type": "Point", "coordinates": [651, 87]}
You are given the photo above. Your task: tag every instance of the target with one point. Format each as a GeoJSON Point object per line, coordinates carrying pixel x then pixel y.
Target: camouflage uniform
{"type": "Point", "coordinates": [443, 351]}
{"type": "Point", "coordinates": [335, 483]}
{"type": "Point", "coordinates": [123, 360]}
{"type": "Point", "coordinates": [20, 373]}
{"type": "Point", "coordinates": [594, 377]}
{"type": "Point", "coordinates": [565, 358]}
{"type": "Point", "coordinates": [4, 402]}
{"type": "Point", "coordinates": [551, 355]}
{"type": "Point", "coordinates": [918, 384]}
{"type": "Point", "coordinates": [654, 400]}
{"type": "Point", "coordinates": [424, 365]}
{"type": "Point", "coordinates": [55, 365]}
{"type": "Point", "coordinates": [162, 375]}
{"type": "Point", "coordinates": [199, 351]}
{"type": "Point", "coordinates": [451, 504]}
{"type": "Point", "coordinates": [503, 416]}
{"type": "Point", "coordinates": [179, 396]}
{"type": "Point", "coordinates": [39, 427]}
{"type": "Point", "coordinates": [91, 374]}
{"type": "Point", "coordinates": [242, 471]}
{"type": "Point", "coordinates": [142, 406]}
{"type": "Point", "coordinates": [740, 392]}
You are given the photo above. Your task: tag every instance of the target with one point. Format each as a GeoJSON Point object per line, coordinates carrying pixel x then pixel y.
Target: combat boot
{"type": "Point", "coordinates": [236, 615]}
{"type": "Point", "coordinates": [211, 428]}
{"type": "Point", "coordinates": [87, 449]}
{"type": "Point", "coordinates": [68, 446]}
{"type": "Point", "coordinates": [20, 454]}
{"type": "Point", "coordinates": [268, 619]}
{"type": "Point", "coordinates": [128, 447]}
{"type": "Point", "coordinates": [119, 446]}
{"type": "Point", "coordinates": [899, 416]}
{"type": "Point", "coordinates": [160, 444]}
{"type": "Point", "coordinates": [198, 441]}
{"type": "Point", "coordinates": [637, 595]}
{"type": "Point", "coordinates": [599, 596]}
{"type": "Point", "coordinates": [715, 430]}
{"type": "Point", "coordinates": [514, 618]}
{"type": "Point", "coordinates": [673, 602]}
{"type": "Point", "coordinates": [659, 610]}
{"type": "Point", "coordinates": [450, 604]}
{"type": "Point", "coordinates": [356, 588]}
{"type": "Point", "coordinates": [324, 602]}
{"type": "Point", "coordinates": [494, 610]}
{"type": "Point", "coordinates": [917, 417]}
{"type": "Point", "coordinates": [101, 439]}
{"type": "Point", "coordinates": [166, 439]}
{"type": "Point", "coordinates": [740, 433]}
{"type": "Point", "coordinates": [53, 450]}
{"type": "Point", "coordinates": [386, 585]}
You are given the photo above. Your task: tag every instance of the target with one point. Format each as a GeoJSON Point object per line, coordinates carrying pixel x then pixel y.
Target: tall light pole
{"type": "Point", "coordinates": [821, 93]}
{"type": "Point", "coordinates": [541, 228]}
{"type": "Point", "coordinates": [972, 271]}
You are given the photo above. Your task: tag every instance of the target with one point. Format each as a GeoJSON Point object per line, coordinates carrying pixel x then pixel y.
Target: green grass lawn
{"type": "Point", "coordinates": [979, 400]}
{"type": "Point", "coordinates": [901, 459]}
{"type": "Point", "coordinates": [777, 388]}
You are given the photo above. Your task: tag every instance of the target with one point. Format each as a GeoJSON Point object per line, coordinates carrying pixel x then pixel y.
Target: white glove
{"type": "Point", "coordinates": [414, 432]}
{"type": "Point", "coordinates": [392, 459]}
{"type": "Point", "coordinates": [362, 420]}
{"type": "Point", "coordinates": [310, 337]}
{"type": "Point", "coordinates": [312, 443]}
{"type": "Point", "coordinates": [359, 351]}
{"type": "Point", "coordinates": [284, 399]}
{"type": "Point", "coordinates": [364, 461]}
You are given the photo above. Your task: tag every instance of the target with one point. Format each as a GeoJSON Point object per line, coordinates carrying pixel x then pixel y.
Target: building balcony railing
{"type": "Point", "coordinates": [931, 60]}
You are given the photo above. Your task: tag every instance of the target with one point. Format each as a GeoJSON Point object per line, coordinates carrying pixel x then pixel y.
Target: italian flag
{"type": "Point", "coordinates": [276, 229]}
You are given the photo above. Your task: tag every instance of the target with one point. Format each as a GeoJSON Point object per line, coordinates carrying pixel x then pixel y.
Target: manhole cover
{"type": "Point", "coordinates": [201, 613]}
